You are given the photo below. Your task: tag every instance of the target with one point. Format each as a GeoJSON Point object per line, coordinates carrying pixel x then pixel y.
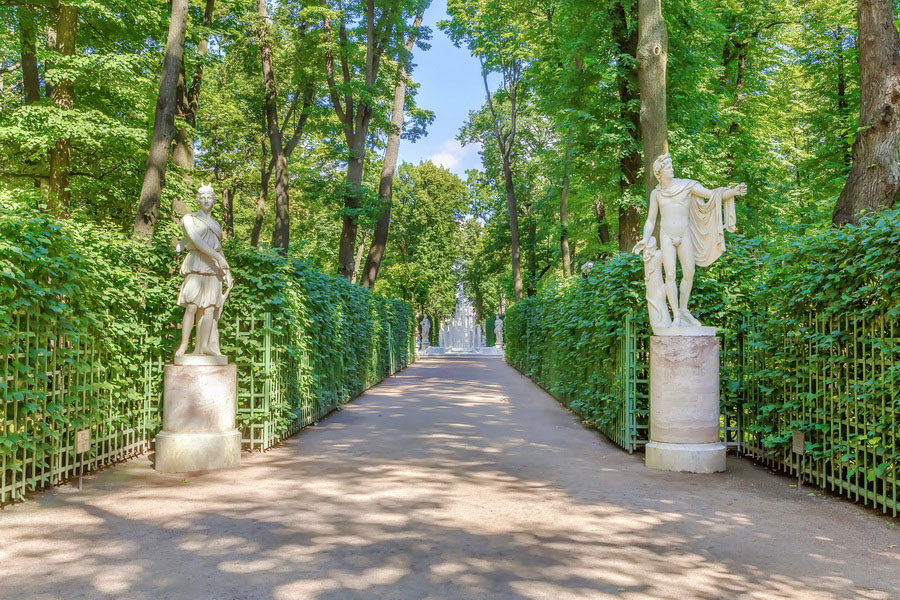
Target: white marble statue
{"type": "Point", "coordinates": [498, 331]}
{"type": "Point", "coordinates": [426, 329]}
{"type": "Point", "coordinates": [691, 230]}
{"type": "Point", "coordinates": [204, 269]}
{"type": "Point", "coordinates": [656, 289]}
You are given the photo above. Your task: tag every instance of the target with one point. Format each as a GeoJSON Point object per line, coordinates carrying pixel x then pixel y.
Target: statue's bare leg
{"type": "Point", "coordinates": [686, 258]}
{"type": "Point", "coordinates": [203, 329]}
{"type": "Point", "coordinates": [187, 325]}
{"type": "Point", "coordinates": [668, 256]}
{"type": "Point", "coordinates": [213, 344]}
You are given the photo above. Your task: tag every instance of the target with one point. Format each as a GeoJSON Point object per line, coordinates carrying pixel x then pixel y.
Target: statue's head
{"type": "Point", "coordinates": [663, 164]}
{"type": "Point", "coordinates": [206, 196]}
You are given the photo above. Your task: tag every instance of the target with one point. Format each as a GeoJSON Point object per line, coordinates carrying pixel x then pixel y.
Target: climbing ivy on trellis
{"type": "Point", "coordinates": [810, 325]}
{"type": "Point", "coordinates": [87, 320]}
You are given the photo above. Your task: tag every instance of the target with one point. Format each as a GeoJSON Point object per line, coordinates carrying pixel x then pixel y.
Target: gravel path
{"type": "Point", "coordinates": [452, 479]}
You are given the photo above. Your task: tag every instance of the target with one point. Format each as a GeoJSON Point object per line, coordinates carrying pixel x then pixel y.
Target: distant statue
{"type": "Point", "coordinates": [204, 270]}
{"type": "Point", "coordinates": [498, 331]}
{"type": "Point", "coordinates": [426, 329]}
{"type": "Point", "coordinates": [690, 229]}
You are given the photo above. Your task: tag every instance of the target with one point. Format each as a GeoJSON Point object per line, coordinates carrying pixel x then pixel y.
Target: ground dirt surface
{"type": "Point", "coordinates": [456, 478]}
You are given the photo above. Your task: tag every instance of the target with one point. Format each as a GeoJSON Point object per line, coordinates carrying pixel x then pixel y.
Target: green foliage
{"type": "Point", "coordinates": [810, 343]}
{"type": "Point", "coordinates": [88, 317]}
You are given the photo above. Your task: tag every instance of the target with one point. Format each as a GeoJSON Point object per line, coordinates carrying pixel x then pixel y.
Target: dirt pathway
{"type": "Point", "coordinates": [453, 479]}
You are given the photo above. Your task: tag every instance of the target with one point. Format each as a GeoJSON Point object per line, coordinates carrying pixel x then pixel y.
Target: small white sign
{"type": "Point", "coordinates": [82, 441]}
{"type": "Point", "coordinates": [799, 442]}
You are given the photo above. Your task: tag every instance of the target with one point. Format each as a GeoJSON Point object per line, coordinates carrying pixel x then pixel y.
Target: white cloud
{"type": "Point", "coordinates": [451, 154]}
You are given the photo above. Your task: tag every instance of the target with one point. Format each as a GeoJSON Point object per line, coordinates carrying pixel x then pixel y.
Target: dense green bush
{"type": "Point", "coordinates": [87, 314]}
{"type": "Point", "coordinates": [810, 328]}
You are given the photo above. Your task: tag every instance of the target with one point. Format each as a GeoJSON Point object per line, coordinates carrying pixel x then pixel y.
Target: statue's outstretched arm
{"type": "Point", "coordinates": [738, 190]}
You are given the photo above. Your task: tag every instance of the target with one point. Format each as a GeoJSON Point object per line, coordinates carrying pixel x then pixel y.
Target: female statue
{"type": "Point", "coordinates": [204, 269]}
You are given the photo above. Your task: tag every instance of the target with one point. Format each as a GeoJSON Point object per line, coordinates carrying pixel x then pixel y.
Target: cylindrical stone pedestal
{"type": "Point", "coordinates": [684, 404]}
{"type": "Point", "coordinates": [199, 407]}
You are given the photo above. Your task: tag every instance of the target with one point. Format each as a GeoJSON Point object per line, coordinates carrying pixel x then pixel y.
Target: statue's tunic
{"type": "Point", "coordinates": [708, 219]}
{"type": "Point", "coordinates": [202, 285]}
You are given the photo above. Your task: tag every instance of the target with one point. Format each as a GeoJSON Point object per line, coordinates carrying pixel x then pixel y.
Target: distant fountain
{"type": "Point", "coordinates": [461, 334]}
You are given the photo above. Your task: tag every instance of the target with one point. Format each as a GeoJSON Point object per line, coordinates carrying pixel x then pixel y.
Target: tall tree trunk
{"type": "Point", "coordinates": [281, 237]}
{"type": "Point", "coordinates": [629, 221]}
{"type": "Point", "coordinates": [564, 214]}
{"type": "Point", "coordinates": [602, 225]}
{"type": "Point", "coordinates": [352, 202]}
{"type": "Point", "coordinates": [874, 180]}
{"type": "Point", "coordinates": [513, 228]}
{"type": "Point", "coordinates": [187, 103]}
{"type": "Point", "coordinates": [388, 168]}
{"type": "Point", "coordinates": [64, 97]}
{"type": "Point", "coordinates": [360, 248]}
{"type": "Point", "coordinates": [842, 91]}
{"type": "Point", "coordinates": [31, 82]}
{"type": "Point", "coordinates": [228, 211]}
{"type": "Point", "coordinates": [652, 56]}
{"type": "Point", "coordinates": [263, 197]}
{"type": "Point", "coordinates": [531, 255]}
{"type": "Point", "coordinates": [163, 125]}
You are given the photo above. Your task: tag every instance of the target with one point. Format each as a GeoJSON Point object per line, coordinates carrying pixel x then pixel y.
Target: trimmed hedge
{"type": "Point", "coordinates": [811, 325]}
{"type": "Point", "coordinates": [88, 318]}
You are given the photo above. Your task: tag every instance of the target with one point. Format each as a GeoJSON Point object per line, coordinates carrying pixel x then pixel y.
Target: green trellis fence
{"type": "Point", "coordinates": [53, 384]}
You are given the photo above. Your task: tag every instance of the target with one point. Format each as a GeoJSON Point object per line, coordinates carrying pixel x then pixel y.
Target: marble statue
{"type": "Point", "coordinates": [204, 269]}
{"type": "Point", "coordinates": [691, 230]}
{"type": "Point", "coordinates": [426, 329]}
{"type": "Point", "coordinates": [656, 290]}
{"type": "Point", "coordinates": [498, 330]}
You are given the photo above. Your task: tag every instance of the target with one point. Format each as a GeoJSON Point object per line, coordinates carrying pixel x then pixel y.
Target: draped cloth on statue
{"type": "Point", "coordinates": [708, 219]}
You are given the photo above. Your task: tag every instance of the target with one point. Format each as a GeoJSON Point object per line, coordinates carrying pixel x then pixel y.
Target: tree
{"type": "Point", "coordinates": [187, 104]}
{"type": "Point", "coordinates": [163, 124]}
{"type": "Point", "coordinates": [490, 31]}
{"type": "Point", "coordinates": [381, 29]}
{"type": "Point", "coordinates": [385, 186]}
{"type": "Point", "coordinates": [63, 96]}
{"type": "Point", "coordinates": [652, 57]}
{"type": "Point", "coordinates": [874, 180]}
{"type": "Point", "coordinates": [281, 238]}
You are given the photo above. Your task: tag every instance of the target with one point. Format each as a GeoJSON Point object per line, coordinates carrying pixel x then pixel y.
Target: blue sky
{"type": "Point", "coordinates": [451, 86]}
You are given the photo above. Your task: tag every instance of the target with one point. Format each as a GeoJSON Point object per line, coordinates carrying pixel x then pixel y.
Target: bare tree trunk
{"type": "Point", "coordinates": [281, 237]}
{"type": "Point", "coordinates": [629, 221]}
{"type": "Point", "coordinates": [874, 180]}
{"type": "Point", "coordinates": [187, 102]}
{"type": "Point", "coordinates": [360, 248]}
{"type": "Point", "coordinates": [31, 82]}
{"type": "Point", "coordinates": [228, 211]}
{"type": "Point", "coordinates": [262, 199]}
{"type": "Point", "coordinates": [352, 202]}
{"type": "Point", "coordinates": [163, 125]}
{"type": "Point", "coordinates": [513, 228]}
{"type": "Point", "coordinates": [652, 56]}
{"type": "Point", "coordinates": [64, 97]}
{"type": "Point", "coordinates": [564, 215]}
{"type": "Point", "coordinates": [388, 168]}
{"type": "Point", "coordinates": [602, 225]}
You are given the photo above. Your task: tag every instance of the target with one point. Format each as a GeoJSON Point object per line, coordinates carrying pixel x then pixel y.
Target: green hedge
{"type": "Point", "coordinates": [810, 327]}
{"type": "Point", "coordinates": [88, 318]}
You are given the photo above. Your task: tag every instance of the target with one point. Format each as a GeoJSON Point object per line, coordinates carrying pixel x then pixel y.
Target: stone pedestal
{"type": "Point", "coordinates": [199, 407]}
{"type": "Point", "coordinates": [684, 402]}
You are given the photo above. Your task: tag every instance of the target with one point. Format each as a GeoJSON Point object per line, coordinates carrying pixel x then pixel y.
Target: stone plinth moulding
{"type": "Point", "coordinates": [684, 402]}
{"type": "Point", "coordinates": [199, 407]}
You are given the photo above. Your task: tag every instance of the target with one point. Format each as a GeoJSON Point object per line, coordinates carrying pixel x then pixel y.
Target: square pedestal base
{"type": "Point", "coordinates": [691, 458]}
{"type": "Point", "coordinates": [186, 452]}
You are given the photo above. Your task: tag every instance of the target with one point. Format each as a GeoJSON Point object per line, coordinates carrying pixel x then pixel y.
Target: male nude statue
{"type": "Point", "coordinates": [690, 229]}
